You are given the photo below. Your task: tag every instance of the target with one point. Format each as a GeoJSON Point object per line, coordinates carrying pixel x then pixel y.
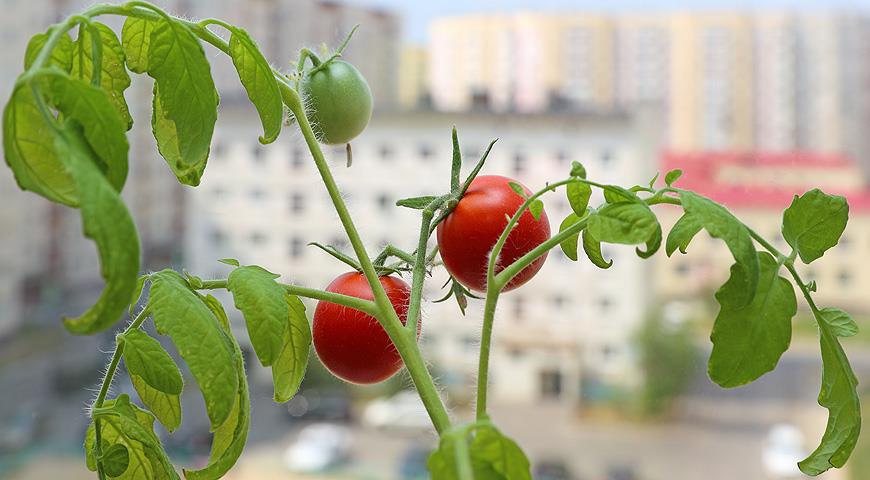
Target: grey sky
{"type": "Point", "coordinates": [417, 14]}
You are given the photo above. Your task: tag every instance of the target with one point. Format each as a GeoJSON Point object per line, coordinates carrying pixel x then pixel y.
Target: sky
{"type": "Point", "coordinates": [417, 14]}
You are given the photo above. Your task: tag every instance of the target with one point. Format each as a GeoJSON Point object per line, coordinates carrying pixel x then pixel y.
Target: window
{"type": "Point", "coordinates": [471, 153]}
{"type": "Point", "coordinates": [519, 163]}
{"type": "Point", "coordinates": [297, 247]}
{"type": "Point", "coordinates": [219, 192]}
{"type": "Point", "coordinates": [257, 155]}
{"type": "Point", "coordinates": [469, 343]}
{"type": "Point", "coordinates": [297, 158]}
{"type": "Point", "coordinates": [258, 194]}
{"type": "Point", "coordinates": [682, 269]}
{"type": "Point", "coordinates": [562, 156]}
{"type": "Point", "coordinates": [844, 242]}
{"type": "Point", "coordinates": [297, 203]}
{"type": "Point", "coordinates": [217, 150]}
{"type": "Point", "coordinates": [218, 238]}
{"type": "Point", "coordinates": [551, 383]}
{"type": "Point", "coordinates": [384, 201]}
{"type": "Point", "coordinates": [559, 301]}
{"type": "Point", "coordinates": [604, 303]}
{"type": "Point", "coordinates": [425, 152]}
{"type": "Point", "coordinates": [339, 242]}
{"type": "Point", "coordinates": [519, 307]}
{"type": "Point", "coordinates": [606, 157]}
{"type": "Point", "coordinates": [258, 238]}
{"type": "Point", "coordinates": [844, 277]}
{"type": "Point", "coordinates": [608, 351]}
{"type": "Point", "coordinates": [386, 152]}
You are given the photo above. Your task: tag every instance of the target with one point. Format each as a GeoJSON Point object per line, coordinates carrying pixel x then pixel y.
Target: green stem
{"type": "Point", "coordinates": [104, 388]}
{"type": "Point", "coordinates": [96, 52]}
{"type": "Point", "coordinates": [463, 457]}
{"type": "Point", "coordinates": [419, 274]}
{"type": "Point", "coordinates": [361, 304]}
{"type": "Point", "coordinates": [492, 293]}
{"type": "Point", "coordinates": [404, 341]}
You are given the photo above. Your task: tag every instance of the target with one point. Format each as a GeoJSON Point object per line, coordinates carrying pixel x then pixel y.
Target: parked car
{"type": "Point", "coordinates": [321, 406]}
{"type": "Point", "coordinates": [403, 410]}
{"type": "Point", "coordinates": [412, 465]}
{"type": "Point", "coordinates": [320, 447]}
{"type": "Point", "coordinates": [552, 469]}
{"type": "Point", "coordinates": [783, 449]}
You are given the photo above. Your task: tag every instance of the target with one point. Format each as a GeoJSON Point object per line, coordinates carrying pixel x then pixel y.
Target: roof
{"type": "Point", "coordinates": [701, 174]}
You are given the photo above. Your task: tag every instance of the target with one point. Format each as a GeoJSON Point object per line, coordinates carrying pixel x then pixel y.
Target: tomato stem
{"type": "Point", "coordinates": [405, 344]}
{"type": "Point", "coordinates": [361, 304]}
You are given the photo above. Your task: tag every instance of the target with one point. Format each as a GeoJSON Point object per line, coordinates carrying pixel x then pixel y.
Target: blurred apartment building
{"type": "Point", "coordinates": [263, 205]}
{"type": "Point", "coordinates": [48, 268]}
{"type": "Point", "coordinates": [757, 187]}
{"type": "Point", "coordinates": [777, 81]}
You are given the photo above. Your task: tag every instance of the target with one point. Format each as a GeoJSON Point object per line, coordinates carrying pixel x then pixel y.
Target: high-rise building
{"type": "Point", "coordinates": [773, 81]}
{"type": "Point", "coordinates": [263, 205]}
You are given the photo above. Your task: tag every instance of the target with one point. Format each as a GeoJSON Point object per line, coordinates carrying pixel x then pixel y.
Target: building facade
{"type": "Point", "coordinates": [263, 205]}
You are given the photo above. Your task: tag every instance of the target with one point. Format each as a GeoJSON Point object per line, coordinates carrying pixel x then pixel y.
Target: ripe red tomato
{"type": "Point", "coordinates": [352, 344]}
{"type": "Point", "coordinates": [467, 235]}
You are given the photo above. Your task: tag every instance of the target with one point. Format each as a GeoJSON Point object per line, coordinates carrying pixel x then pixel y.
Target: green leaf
{"type": "Point", "coordinates": [652, 182]}
{"type": "Point", "coordinates": [617, 194]}
{"type": "Point", "coordinates": [185, 100]}
{"type": "Point", "coordinates": [259, 82]}
{"type": "Point", "coordinates": [155, 376]}
{"type": "Point", "coordinates": [107, 222]}
{"type": "Point", "coordinates": [417, 203]}
{"type": "Point", "coordinates": [652, 244]}
{"type": "Point", "coordinates": [104, 129]}
{"type": "Point", "coordinates": [592, 247]}
{"type": "Point", "coordinates": [123, 423]}
{"type": "Point", "coordinates": [682, 234]}
{"type": "Point", "coordinates": [839, 395]}
{"type": "Point", "coordinates": [493, 456]}
{"type": "Point", "coordinates": [205, 347]}
{"type": "Point", "coordinates": [136, 37]}
{"type": "Point", "coordinates": [115, 460]}
{"type": "Point", "coordinates": [840, 322]}
{"type": "Point", "coordinates": [61, 55]}
{"type": "Point", "coordinates": [625, 223]}
{"type": "Point", "coordinates": [578, 197]}
{"type": "Point", "coordinates": [229, 261]}
{"type": "Point", "coordinates": [29, 149]}
{"type": "Point", "coordinates": [569, 245]}
{"type": "Point", "coordinates": [289, 367]}
{"type": "Point", "coordinates": [137, 294]}
{"type": "Point", "coordinates": [673, 176]}
{"type": "Point", "coordinates": [261, 300]}
{"type": "Point", "coordinates": [518, 189]}
{"type": "Point", "coordinates": [814, 222]}
{"type": "Point", "coordinates": [114, 78]}
{"type": "Point", "coordinates": [578, 170]}
{"type": "Point", "coordinates": [748, 340]}
{"type": "Point", "coordinates": [230, 438]}
{"type": "Point", "coordinates": [720, 223]}
{"type": "Point", "coordinates": [536, 208]}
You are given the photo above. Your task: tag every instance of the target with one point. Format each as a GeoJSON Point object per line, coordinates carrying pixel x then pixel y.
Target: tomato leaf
{"type": "Point", "coordinates": [623, 222]}
{"type": "Point", "coordinates": [155, 376]}
{"type": "Point", "coordinates": [230, 438]}
{"type": "Point", "coordinates": [578, 170]}
{"type": "Point", "coordinates": [840, 396]}
{"type": "Point", "coordinates": [114, 78]}
{"type": "Point", "coordinates": [185, 99]}
{"type": "Point", "coordinates": [840, 322]}
{"type": "Point", "coordinates": [205, 347]}
{"type": "Point", "coordinates": [617, 194]}
{"type": "Point", "coordinates": [814, 222]}
{"type": "Point", "coordinates": [578, 197]}
{"type": "Point", "coordinates": [653, 243]}
{"type": "Point", "coordinates": [30, 151]}
{"type": "Point", "coordinates": [61, 54]}
{"type": "Point", "coordinates": [536, 208]}
{"type": "Point", "coordinates": [289, 367]}
{"type": "Point", "coordinates": [108, 223]}
{"type": "Point", "coordinates": [417, 203]}
{"type": "Point", "coordinates": [103, 127]}
{"type": "Point", "coordinates": [748, 340]}
{"type": "Point", "coordinates": [123, 423]}
{"type": "Point", "coordinates": [136, 38]}
{"type": "Point", "coordinates": [682, 234]}
{"type": "Point", "coordinates": [673, 176]}
{"type": "Point", "coordinates": [115, 460]}
{"type": "Point", "coordinates": [259, 82]}
{"type": "Point", "coordinates": [492, 456]}
{"type": "Point", "coordinates": [569, 245]}
{"type": "Point", "coordinates": [261, 300]}
{"type": "Point", "coordinates": [720, 223]}
{"type": "Point", "coordinates": [592, 247]}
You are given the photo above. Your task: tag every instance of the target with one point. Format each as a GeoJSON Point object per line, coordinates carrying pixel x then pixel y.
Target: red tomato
{"type": "Point", "coordinates": [467, 235]}
{"type": "Point", "coordinates": [352, 344]}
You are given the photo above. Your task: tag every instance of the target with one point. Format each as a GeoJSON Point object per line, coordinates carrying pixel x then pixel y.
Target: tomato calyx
{"type": "Point", "coordinates": [458, 291]}
{"type": "Point", "coordinates": [380, 269]}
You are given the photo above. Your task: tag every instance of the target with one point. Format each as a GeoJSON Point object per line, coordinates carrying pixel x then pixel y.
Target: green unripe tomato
{"type": "Point", "coordinates": [339, 102]}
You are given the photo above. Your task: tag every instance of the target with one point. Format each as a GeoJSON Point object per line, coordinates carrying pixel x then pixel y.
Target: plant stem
{"type": "Point", "coordinates": [361, 304]}
{"type": "Point", "coordinates": [419, 273]}
{"type": "Point", "coordinates": [104, 388]}
{"type": "Point", "coordinates": [492, 293]}
{"type": "Point", "coordinates": [405, 343]}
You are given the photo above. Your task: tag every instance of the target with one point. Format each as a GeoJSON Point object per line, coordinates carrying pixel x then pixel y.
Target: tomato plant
{"type": "Point", "coordinates": [468, 233]}
{"type": "Point", "coordinates": [65, 138]}
{"type": "Point", "coordinates": [352, 344]}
